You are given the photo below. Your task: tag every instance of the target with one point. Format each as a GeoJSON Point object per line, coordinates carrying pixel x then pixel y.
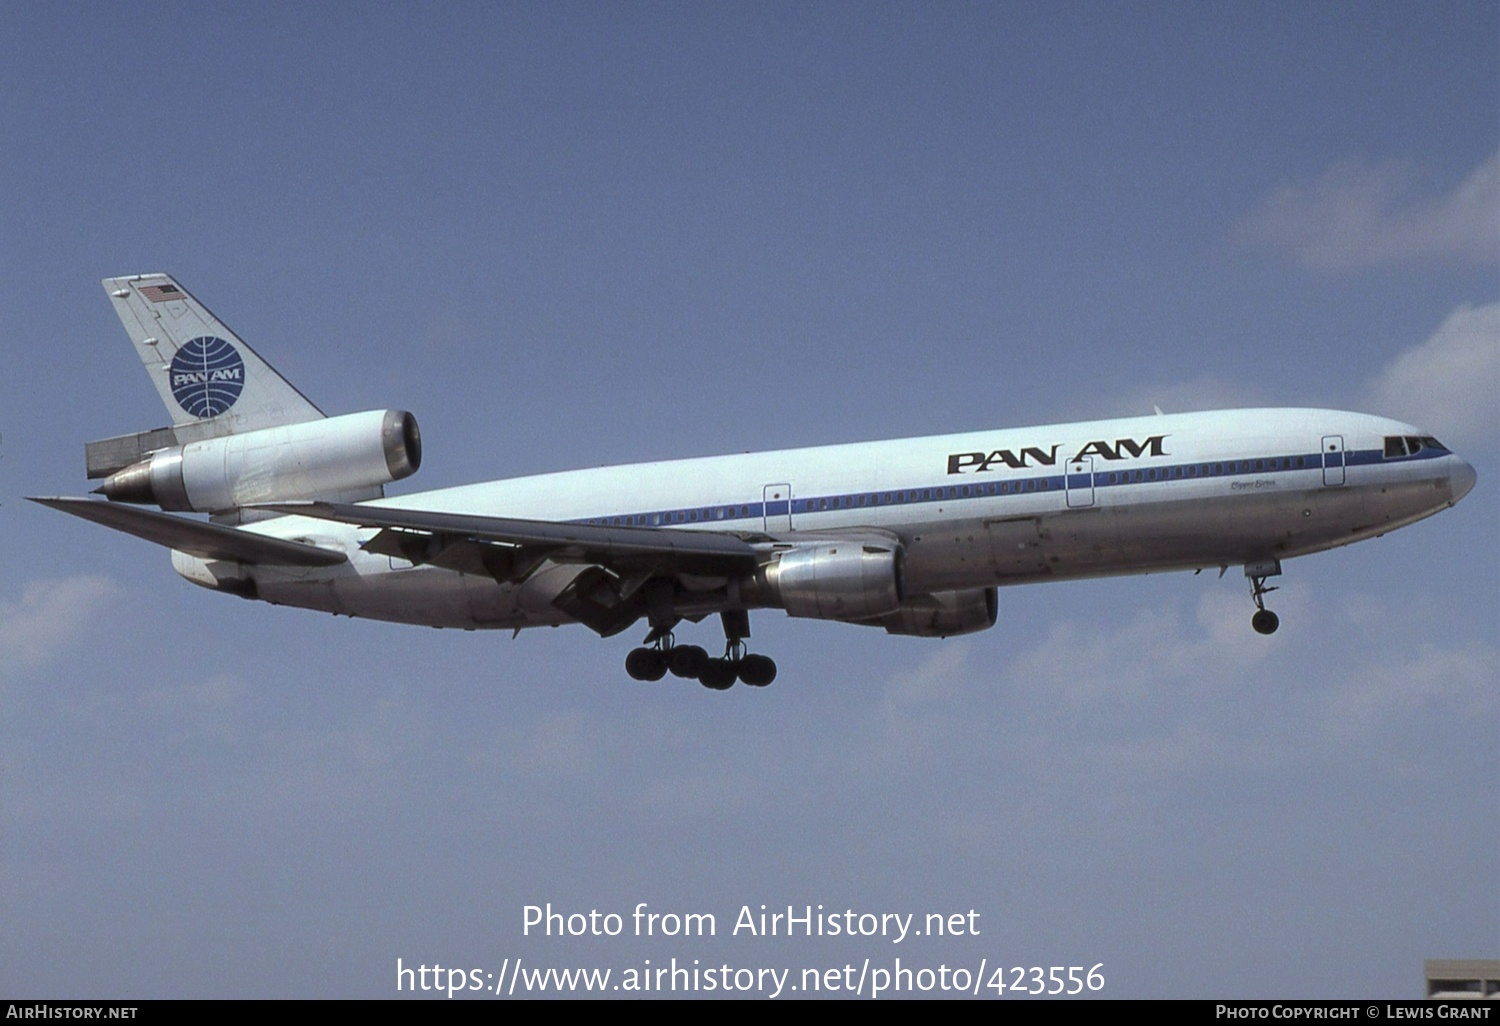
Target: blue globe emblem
{"type": "Point", "coordinates": [207, 376]}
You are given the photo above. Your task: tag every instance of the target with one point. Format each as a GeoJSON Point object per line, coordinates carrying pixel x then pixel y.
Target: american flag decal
{"type": "Point", "coordinates": [162, 293]}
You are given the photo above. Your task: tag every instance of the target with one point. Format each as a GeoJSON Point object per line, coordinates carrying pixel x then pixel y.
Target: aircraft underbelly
{"type": "Point", "coordinates": [1167, 535]}
{"type": "Point", "coordinates": [419, 595]}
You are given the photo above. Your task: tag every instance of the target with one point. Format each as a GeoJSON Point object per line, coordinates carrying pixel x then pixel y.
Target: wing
{"type": "Point", "coordinates": [665, 550]}
{"type": "Point", "coordinates": [206, 541]}
{"type": "Point", "coordinates": [607, 595]}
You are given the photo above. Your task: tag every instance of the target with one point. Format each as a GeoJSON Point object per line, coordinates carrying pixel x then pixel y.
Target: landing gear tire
{"type": "Point", "coordinates": [686, 661]}
{"type": "Point", "coordinates": [718, 674]}
{"type": "Point", "coordinates": [646, 664]}
{"type": "Point", "coordinates": [1264, 621]}
{"type": "Point", "coordinates": [757, 670]}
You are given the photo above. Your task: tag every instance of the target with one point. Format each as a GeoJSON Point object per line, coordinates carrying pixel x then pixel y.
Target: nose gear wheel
{"type": "Point", "coordinates": [1264, 621]}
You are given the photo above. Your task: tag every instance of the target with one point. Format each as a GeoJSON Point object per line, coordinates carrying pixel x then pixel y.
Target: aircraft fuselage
{"type": "Point", "coordinates": [969, 511]}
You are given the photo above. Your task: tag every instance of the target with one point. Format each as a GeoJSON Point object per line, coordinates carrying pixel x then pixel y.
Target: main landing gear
{"type": "Point", "coordinates": [658, 655]}
{"type": "Point", "coordinates": [1264, 621]}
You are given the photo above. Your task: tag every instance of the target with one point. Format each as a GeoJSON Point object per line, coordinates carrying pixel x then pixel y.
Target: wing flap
{"type": "Point", "coordinates": [465, 555]}
{"type": "Point", "coordinates": [206, 541]}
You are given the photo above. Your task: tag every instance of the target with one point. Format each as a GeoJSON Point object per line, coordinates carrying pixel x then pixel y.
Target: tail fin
{"type": "Point", "coordinates": [206, 375]}
{"type": "Point", "coordinates": [212, 383]}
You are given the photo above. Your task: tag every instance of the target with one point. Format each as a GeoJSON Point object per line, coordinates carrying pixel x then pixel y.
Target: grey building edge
{"type": "Point", "coordinates": [1447, 979]}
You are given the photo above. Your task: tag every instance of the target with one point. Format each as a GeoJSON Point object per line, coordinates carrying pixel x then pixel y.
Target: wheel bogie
{"type": "Point", "coordinates": [659, 655]}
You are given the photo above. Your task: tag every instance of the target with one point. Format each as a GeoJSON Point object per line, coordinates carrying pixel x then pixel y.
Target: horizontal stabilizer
{"type": "Point", "coordinates": [206, 541]}
{"type": "Point", "coordinates": [109, 455]}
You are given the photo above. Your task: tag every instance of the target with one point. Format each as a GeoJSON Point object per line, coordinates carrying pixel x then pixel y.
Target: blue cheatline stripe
{"type": "Point", "coordinates": [739, 513]}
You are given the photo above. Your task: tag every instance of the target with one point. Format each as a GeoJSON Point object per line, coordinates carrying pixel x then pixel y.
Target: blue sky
{"type": "Point", "coordinates": [572, 234]}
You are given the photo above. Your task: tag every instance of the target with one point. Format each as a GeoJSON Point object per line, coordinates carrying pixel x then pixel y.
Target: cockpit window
{"type": "Point", "coordinates": [1410, 445]}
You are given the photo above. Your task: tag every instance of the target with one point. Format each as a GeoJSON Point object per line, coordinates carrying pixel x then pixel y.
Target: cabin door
{"type": "Point", "coordinates": [1333, 459]}
{"type": "Point", "coordinates": [777, 504]}
{"type": "Point", "coordinates": [1080, 480]}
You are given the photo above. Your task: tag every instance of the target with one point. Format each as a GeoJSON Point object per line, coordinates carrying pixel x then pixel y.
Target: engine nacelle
{"type": "Point", "coordinates": [337, 456]}
{"type": "Point", "coordinates": [945, 614]}
{"type": "Point", "coordinates": [844, 580]}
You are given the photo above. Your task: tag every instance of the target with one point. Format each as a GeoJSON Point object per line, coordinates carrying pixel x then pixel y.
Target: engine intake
{"type": "Point", "coordinates": [355, 453]}
{"type": "Point", "coordinates": [844, 580]}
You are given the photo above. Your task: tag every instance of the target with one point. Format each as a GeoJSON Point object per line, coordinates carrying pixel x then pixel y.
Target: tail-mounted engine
{"type": "Point", "coordinates": [352, 456]}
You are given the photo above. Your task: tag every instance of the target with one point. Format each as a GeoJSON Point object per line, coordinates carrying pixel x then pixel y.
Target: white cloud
{"type": "Point", "coordinates": [1171, 695]}
{"type": "Point", "coordinates": [1448, 384]}
{"type": "Point", "coordinates": [50, 614]}
{"type": "Point", "coordinates": [1358, 216]}
{"type": "Point", "coordinates": [915, 717]}
{"type": "Point", "coordinates": [1458, 682]}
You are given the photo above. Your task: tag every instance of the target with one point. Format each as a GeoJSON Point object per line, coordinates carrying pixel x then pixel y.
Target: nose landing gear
{"type": "Point", "coordinates": [1264, 621]}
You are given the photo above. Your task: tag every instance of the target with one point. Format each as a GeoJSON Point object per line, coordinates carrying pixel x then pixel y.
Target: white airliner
{"type": "Point", "coordinates": [911, 535]}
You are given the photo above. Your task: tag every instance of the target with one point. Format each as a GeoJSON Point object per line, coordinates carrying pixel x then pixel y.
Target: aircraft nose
{"type": "Point", "coordinates": [1461, 481]}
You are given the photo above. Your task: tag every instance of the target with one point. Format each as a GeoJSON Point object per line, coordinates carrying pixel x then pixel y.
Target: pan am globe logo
{"type": "Point", "coordinates": [207, 376]}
